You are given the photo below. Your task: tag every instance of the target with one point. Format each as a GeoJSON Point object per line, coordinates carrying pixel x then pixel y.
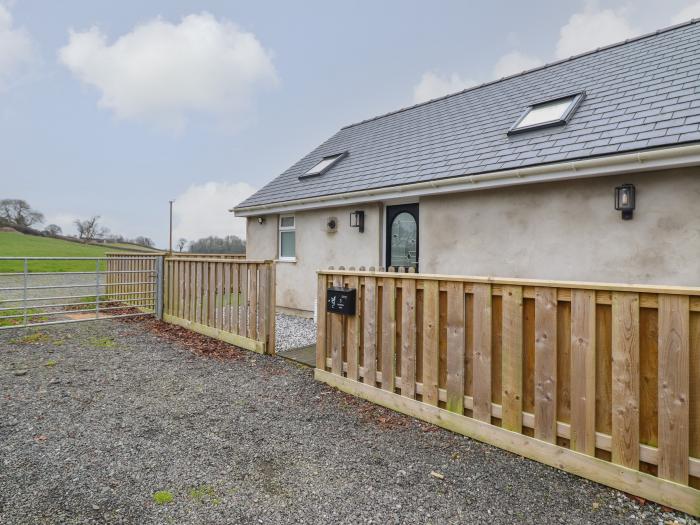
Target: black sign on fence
{"type": "Point", "coordinates": [341, 300]}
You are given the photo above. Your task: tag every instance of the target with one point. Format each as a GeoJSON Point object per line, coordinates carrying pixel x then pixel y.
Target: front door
{"type": "Point", "coordinates": [402, 236]}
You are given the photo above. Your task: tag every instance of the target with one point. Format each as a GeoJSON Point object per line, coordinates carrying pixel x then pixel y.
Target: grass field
{"type": "Point", "coordinates": [130, 247]}
{"type": "Point", "coordinates": [14, 244]}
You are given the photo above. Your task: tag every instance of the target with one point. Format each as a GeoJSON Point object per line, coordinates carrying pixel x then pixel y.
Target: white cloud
{"type": "Point", "coordinates": [16, 47]}
{"type": "Point", "coordinates": [161, 72]}
{"type": "Point", "coordinates": [591, 29]}
{"type": "Point", "coordinates": [514, 62]}
{"type": "Point", "coordinates": [687, 13]}
{"type": "Point", "coordinates": [432, 86]}
{"type": "Point", "coordinates": [202, 210]}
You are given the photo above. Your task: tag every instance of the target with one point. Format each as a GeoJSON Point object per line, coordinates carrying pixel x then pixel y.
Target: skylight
{"type": "Point", "coordinates": [545, 114]}
{"type": "Point", "coordinates": [323, 165]}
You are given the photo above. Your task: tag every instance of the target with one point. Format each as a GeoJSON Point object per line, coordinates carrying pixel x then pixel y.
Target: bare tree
{"type": "Point", "coordinates": [181, 242]}
{"type": "Point", "coordinates": [144, 241]}
{"type": "Point", "coordinates": [88, 229]}
{"type": "Point", "coordinates": [19, 212]}
{"type": "Point", "coordinates": [53, 230]}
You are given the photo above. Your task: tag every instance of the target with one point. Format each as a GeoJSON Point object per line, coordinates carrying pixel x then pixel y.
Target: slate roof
{"type": "Point", "coordinates": [640, 94]}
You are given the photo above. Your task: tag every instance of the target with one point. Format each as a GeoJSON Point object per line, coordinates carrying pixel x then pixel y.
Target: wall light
{"type": "Point", "coordinates": [625, 200]}
{"type": "Point", "coordinates": [357, 220]}
{"type": "Point", "coordinates": [261, 220]}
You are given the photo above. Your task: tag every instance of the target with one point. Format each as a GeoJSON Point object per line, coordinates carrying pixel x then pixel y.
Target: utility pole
{"type": "Point", "coordinates": [170, 249]}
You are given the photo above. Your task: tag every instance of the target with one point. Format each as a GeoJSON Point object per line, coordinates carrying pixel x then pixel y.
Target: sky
{"type": "Point", "coordinates": [115, 108]}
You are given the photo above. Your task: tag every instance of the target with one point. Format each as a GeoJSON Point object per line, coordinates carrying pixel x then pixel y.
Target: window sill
{"type": "Point", "coordinates": [287, 260]}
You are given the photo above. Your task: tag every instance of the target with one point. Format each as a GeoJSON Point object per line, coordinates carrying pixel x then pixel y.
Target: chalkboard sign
{"type": "Point", "coordinates": [341, 300]}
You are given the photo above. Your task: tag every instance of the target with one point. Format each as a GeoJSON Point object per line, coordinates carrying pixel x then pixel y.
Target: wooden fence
{"type": "Point", "coordinates": [227, 298]}
{"type": "Point", "coordinates": [600, 380]}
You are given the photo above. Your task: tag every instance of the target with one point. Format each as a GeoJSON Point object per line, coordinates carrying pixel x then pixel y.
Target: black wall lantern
{"type": "Point", "coordinates": [261, 220]}
{"type": "Point", "coordinates": [624, 200]}
{"type": "Point", "coordinates": [357, 220]}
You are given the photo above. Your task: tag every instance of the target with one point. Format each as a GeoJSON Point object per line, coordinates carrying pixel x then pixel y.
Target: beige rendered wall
{"type": "Point", "coordinates": [315, 249]}
{"type": "Point", "coordinates": [569, 230]}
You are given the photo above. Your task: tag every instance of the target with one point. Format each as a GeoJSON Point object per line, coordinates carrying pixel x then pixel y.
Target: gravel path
{"type": "Point", "coordinates": [292, 332]}
{"type": "Point", "coordinates": [108, 413]}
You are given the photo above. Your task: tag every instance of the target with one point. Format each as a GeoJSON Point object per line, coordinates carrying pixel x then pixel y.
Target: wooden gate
{"type": "Point", "coordinates": [600, 380]}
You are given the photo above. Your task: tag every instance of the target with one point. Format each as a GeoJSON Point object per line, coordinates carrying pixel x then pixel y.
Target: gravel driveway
{"type": "Point", "coordinates": [98, 417]}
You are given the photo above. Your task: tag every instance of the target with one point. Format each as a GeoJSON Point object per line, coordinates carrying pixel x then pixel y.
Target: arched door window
{"type": "Point", "coordinates": [402, 236]}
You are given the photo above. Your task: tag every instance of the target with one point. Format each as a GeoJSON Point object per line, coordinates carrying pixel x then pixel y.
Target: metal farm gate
{"type": "Point", "coordinates": [37, 291]}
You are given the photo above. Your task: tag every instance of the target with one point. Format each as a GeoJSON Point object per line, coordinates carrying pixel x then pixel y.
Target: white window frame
{"type": "Point", "coordinates": [280, 230]}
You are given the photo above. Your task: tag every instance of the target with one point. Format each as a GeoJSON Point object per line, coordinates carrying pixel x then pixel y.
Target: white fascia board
{"type": "Point", "coordinates": [649, 160]}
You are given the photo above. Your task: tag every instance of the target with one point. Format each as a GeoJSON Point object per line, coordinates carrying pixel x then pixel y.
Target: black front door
{"type": "Point", "coordinates": [402, 236]}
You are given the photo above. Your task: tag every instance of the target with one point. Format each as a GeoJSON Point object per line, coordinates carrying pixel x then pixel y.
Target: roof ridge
{"type": "Point", "coordinates": [528, 71]}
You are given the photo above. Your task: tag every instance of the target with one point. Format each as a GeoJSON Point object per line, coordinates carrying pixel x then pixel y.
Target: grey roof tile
{"type": "Point", "coordinates": [688, 137]}
{"type": "Point", "coordinates": [640, 94]}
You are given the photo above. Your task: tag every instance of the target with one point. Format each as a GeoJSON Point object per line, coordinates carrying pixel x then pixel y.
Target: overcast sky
{"type": "Point", "coordinates": [113, 108]}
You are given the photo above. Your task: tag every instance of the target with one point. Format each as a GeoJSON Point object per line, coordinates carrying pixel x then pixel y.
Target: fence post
{"type": "Point", "coordinates": [159, 287]}
{"type": "Point", "coordinates": [24, 292]}
{"type": "Point", "coordinates": [272, 307]}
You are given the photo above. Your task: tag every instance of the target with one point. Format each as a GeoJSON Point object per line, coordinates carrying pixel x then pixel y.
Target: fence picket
{"type": "Point", "coordinates": [583, 358]}
{"type": "Point", "coordinates": [625, 379]}
{"type": "Point", "coordinates": [253, 301]}
{"type": "Point", "coordinates": [546, 364]}
{"type": "Point", "coordinates": [354, 327]}
{"type": "Point", "coordinates": [431, 360]}
{"type": "Point", "coordinates": [512, 357]}
{"type": "Point", "coordinates": [455, 347]}
{"type": "Point", "coordinates": [369, 327]}
{"type": "Point", "coordinates": [408, 338]}
{"type": "Point", "coordinates": [388, 334]}
{"type": "Point", "coordinates": [674, 393]}
{"type": "Point", "coordinates": [481, 380]}
{"type": "Point", "coordinates": [337, 336]}
{"type": "Point", "coordinates": [243, 298]}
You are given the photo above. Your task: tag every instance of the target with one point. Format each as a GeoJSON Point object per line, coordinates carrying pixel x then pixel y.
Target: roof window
{"type": "Point", "coordinates": [545, 114]}
{"type": "Point", "coordinates": [324, 165]}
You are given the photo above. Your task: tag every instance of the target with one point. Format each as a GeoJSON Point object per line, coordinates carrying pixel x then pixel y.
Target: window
{"type": "Point", "coordinates": [287, 247]}
{"type": "Point", "coordinates": [545, 114]}
{"type": "Point", "coordinates": [324, 165]}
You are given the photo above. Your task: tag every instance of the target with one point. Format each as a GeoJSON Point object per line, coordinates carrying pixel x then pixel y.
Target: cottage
{"type": "Point", "coordinates": [583, 169]}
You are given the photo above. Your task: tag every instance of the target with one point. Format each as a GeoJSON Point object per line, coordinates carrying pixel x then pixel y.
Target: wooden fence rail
{"type": "Point", "coordinates": [230, 299]}
{"type": "Point", "coordinates": [600, 380]}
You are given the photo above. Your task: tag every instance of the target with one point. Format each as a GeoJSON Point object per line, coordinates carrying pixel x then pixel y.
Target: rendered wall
{"type": "Point", "coordinates": [569, 231]}
{"type": "Point", "coordinates": [315, 249]}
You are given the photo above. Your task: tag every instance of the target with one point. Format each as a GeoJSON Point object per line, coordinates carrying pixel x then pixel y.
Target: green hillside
{"type": "Point", "coordinates": [13, 244]}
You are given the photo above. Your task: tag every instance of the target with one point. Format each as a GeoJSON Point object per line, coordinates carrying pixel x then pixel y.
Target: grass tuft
{"type": "Point", "coordinates": [162, 497]}
{"type": "Point", "coordinates": [14, 321]}
{"type": "Point", "coordinates": [51, 362]}
{"type": "Point", "coordinates": [32, 339]}
{"type": "Point", "coordinates": [103, 342]}
{"type": "Point", "coordinates": [204, 493]}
